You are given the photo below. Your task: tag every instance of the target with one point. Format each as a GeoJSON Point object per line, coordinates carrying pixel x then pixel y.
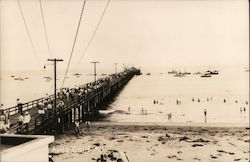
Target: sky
{"type": "Point", "coordinates": [143, 33]}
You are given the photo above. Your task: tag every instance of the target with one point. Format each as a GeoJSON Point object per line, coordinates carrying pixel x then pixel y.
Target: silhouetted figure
{"type": "Point", "coordinates": [240, 110]}
{"type": "Point", "coordinates": [142, 111]}
{"type": "Point", "coordinates": [246, 103]}
{"type": "Point", "coordinates": [193, 99]}
{"type": "Point", "coordinates": [207, 99]}
{"type": "Point", "coordinates": [77, 128]}
{"type": "Point", "coordinates": [244, 109]}
{"type": "Point", "coordinates": [205, 114]}
{"type": "Point", "coordinates": [198, 100]}
{"type": "Point", "coordinates": [224, 100]}
{"type": "Point", "coordinates": [169, 116]}
{"type": "Point", "coordinates": [236, 101]}
{"type": "Point", "coordinates": [19, 105]}
{"type": "Point", "coordinates": [129, 109]}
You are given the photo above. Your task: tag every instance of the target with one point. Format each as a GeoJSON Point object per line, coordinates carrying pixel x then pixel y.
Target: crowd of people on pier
{"type": "Point", "coordinates": [65, 96]}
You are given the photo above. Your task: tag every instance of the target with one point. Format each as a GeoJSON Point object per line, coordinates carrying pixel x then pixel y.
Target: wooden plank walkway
{"type": "Point", "coordinates": [79, 104]}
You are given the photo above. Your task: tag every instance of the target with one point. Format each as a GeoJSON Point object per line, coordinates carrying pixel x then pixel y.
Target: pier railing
{"type": "Point", "coordinates": [76, 108]}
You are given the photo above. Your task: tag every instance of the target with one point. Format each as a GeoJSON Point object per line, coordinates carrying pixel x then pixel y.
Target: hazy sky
{"type": "Point", "coordinates": [141, 32]}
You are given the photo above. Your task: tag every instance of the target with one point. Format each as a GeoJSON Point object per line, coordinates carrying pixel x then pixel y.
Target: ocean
{"type": "Point", "coordinates": [135, 103]}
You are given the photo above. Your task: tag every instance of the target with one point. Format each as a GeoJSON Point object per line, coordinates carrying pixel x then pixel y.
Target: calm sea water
{"type": "Point", "coordinates": [231, 84]}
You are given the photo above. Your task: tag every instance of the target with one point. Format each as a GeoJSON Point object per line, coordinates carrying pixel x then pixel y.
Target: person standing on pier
{"type": "Point", "coordinates": [26, 120]}
{"type": "Point", "coordinates": [3, 128]}
{"type": "Point", "coordinates": [19, 105]}
{"type": "Point", "coordinates": [20, 123]}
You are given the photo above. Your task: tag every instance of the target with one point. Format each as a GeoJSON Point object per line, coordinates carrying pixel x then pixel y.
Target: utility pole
{"type": "Point", "coordinates": [115, 68]}
{"type": "Point", "coordinates": [55, 61]}
{"type": "Point", "coordinates": [95, 62]}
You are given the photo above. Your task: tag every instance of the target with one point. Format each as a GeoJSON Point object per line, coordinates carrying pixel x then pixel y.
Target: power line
{"type": "Point", "coordinates": [72, 50]}
{"type": "Point", "coordinates": [27, 30]}
{"type": "Point", "coordinates": [93, 35]}
{"type": "Point", "coordinates": [44, 27]}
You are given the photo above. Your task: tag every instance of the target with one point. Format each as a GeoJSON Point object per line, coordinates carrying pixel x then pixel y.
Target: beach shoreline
{"type": "Point", "coordinates": [142, 142]}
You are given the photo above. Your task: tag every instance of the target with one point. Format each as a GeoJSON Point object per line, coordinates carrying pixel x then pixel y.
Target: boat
{"type": "Point", "coordinates": [12, 76]}
{"type": "Point", "coordinates": [47, 77]}
{"type": "Point", "coordinates": [179, 74]}
{"type": "Point", "coordinates": [148, 74]}
{"type": "Point", "coordinates": [76, 74]}
{"type": "Point", "coordinates": [172, 72]}
{"type": "Point", "coordinates": [26, 78]}
{"type": "Point", "coordinates": [19, 78]}
{"type": "Point", "coordinates": [186, 73]}
{"type": "Point", "coordinates": [215, 72]}
{"type": "Point", "coordinates": [206, 75]}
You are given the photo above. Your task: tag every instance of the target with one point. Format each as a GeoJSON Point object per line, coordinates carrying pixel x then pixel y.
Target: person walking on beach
{"type": "Point", "coordinates": [129, 109]}
{"type": "Point", "coordinates": [87, 125]}
{"type": "Point", "coordinates": [205, 114]}
{"type": "Point", "coordinates": [198, 100]}
{"type": "Point", "coordinates": [26, 120]}
{"type": "Point", "coordinates": [77, 129]}
{"type": "Point", "coordinates": [224, 100]}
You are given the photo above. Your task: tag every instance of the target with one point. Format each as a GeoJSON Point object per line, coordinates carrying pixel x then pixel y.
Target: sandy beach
{"type": "Point", "coordinates": [148, 142]}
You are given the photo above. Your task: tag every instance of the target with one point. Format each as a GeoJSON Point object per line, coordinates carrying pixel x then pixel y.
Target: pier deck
{"type": "Point", "coordinates": [80, 104]}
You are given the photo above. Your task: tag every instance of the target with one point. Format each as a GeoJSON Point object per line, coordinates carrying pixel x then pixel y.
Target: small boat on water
{"type": "Point", "coordinates": [76, 74]}
{"type": "Point", "coordinates": [148, 74]}
{"type": "Point", "coordinates": [19, 78]}
{"type": "Point", "coordinates": [47, 77]}
{"type": "Point", "coordinates": [206, 75]}
{"type": "Point", "coordinates": [180, 74]}
{"type": "Point", "coordinates": [172, 72]}
{"type": "Point", "coordinates": [26, 78]}
{"type": "Point", "coordinates": [214, 72]}
{"type": "Point", "coordinates": [186, 73]}
{"type": "Point", "coordinates": [12, 76]}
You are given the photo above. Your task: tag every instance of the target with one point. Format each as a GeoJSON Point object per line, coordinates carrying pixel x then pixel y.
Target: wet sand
{"type": "Point", "coordinates": [147, 143]}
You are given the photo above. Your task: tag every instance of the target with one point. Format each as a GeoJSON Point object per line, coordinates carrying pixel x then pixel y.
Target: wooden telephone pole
{"type": "Point", "coordinates": [55, 96]}
{"type": "Point", "coordinates": [95, 62]}
{"type": "Point", "coordinates": [115, 68]}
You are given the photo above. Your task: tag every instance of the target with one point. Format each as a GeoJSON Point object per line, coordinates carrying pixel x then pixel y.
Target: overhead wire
{"type": "Point", "coordinates": [93, 35]}
{"type": "Point", "coordinates": [44, 27]}
{"type": "Point", "coordinates": [73, 47]}
{"type": "Point", "coordinates": [29, 35]}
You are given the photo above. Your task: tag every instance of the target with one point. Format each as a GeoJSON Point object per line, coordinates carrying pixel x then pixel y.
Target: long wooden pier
{"type": "Point", "coordinates": [82, 104]}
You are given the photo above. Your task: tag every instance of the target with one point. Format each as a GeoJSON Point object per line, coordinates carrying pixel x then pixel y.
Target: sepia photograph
{"type": "Point", "coordinates": [124, 81]}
